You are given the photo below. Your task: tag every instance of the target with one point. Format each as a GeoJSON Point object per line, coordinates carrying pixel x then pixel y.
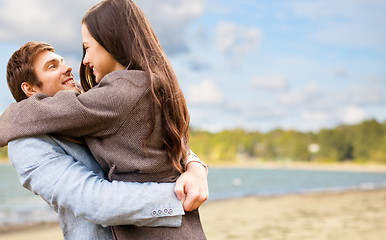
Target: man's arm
{"type": "Point", "coordinates": [48, 171]}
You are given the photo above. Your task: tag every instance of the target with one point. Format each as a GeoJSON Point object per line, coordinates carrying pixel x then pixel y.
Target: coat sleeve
{"type": "Point", "coordinates": [96, 113]}
{"type": "Point", "coordinates": [46, 170]}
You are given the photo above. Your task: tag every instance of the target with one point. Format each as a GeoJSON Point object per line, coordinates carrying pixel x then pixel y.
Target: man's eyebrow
{"type": "Point", "coordinates": [50, 62]}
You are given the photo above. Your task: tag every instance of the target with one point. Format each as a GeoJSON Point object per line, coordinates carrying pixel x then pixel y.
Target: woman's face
{"type": "Point", "coordinates": [97, 58]}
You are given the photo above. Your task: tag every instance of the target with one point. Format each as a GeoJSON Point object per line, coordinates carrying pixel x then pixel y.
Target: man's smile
{"type": "Point", "coordinates": [69, 81]}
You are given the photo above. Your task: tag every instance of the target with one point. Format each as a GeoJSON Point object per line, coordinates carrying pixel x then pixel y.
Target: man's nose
{"type": "Point", "coordinates": [66, 69]}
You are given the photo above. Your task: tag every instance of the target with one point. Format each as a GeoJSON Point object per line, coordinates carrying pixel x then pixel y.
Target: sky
{"type": "Point", "coordinates": [252, 64]}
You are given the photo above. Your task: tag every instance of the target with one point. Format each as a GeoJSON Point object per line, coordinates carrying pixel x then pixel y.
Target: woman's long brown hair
{"type": "Point", "coordinates": [124, 31]}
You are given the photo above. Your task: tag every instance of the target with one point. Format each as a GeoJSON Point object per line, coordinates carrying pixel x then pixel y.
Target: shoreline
{"type": "Point", "coordinates": [293, 165]}
{"type": "Point", "coordinates": [354, 215]}
{"type": "Point", "coordinates": [6, 229]}
{"type": "Point", "coordinates": [290, 165]}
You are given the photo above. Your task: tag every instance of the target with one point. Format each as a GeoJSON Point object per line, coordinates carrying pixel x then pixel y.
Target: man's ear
{"type": "Point", "coordinates": [28, 89]}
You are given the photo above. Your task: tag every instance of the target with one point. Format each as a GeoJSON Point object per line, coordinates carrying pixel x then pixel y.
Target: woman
{"type": "Point", "coordinates": [133, 115]}
{"type": "Point", "coordinates": [107, 48]}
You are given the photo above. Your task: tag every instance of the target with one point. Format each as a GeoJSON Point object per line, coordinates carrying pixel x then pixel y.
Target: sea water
{"type": "Point", "coordinates": [19, 206]}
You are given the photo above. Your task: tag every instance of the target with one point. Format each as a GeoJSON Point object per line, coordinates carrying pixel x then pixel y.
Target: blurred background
{"type": "Point", "coordinates": [271, 77]}
{"type": "Point", "coordinates": [267, 82]}
{"type": "Point", "coordinates": [251, 64]}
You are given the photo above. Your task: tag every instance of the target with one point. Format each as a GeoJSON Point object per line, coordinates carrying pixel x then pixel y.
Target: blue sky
{"type": "Point", "coordinates": [257, 65]}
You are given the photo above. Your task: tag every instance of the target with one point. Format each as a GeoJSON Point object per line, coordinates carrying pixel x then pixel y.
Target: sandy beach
{"type": "Point", "coordinates": [349, 215]}
{"type": "Point", "coordinates": [355, 215]}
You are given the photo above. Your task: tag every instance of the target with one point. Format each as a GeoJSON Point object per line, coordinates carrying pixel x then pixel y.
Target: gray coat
{"type": "Point", "coordinates": [113, 118]}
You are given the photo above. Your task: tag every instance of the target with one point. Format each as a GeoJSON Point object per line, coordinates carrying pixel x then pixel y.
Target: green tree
{"type": "Point", "coordinates": [362, 142]}
{"type": "Point", "coordinates": [336, 144]}
{"type": "Point", "coordinates": [3, 153]}
{"type": "Point", "coordinates": [368, 139]}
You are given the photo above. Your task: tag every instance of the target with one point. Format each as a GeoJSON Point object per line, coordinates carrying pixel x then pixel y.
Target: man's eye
{"type": "Point", "coordinates": [51, 66]}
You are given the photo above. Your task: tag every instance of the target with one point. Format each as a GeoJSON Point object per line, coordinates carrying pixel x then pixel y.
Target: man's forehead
{"type": "Point", "coordinates": [46, 56]}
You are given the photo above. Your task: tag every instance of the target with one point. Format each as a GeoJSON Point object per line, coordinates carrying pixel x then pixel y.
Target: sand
{"type": "Point", "coordinates": [350, 215]}
{"type": "Point", "coordinates": [355, 215]}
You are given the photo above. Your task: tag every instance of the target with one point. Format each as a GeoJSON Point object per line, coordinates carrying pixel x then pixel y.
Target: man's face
{"type": "Point", "coordinates": [54, 74]}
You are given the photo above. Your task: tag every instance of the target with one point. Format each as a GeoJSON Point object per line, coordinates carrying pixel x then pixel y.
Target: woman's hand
{"type": "Point", "coordinates": [193, 186]}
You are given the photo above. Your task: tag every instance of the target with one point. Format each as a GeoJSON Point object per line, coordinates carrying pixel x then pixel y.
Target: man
{"type": "Point", "coordinates": [63, 172]}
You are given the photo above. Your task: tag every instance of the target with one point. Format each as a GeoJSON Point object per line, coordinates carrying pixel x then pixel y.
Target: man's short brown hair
{"type": "Point", "coordinates": [20, 67]}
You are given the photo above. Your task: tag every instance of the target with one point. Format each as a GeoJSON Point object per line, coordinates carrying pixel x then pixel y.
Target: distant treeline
{"type": "Point", "coordinates": [3, 153]}
{"type": "Point", "coordinates": [365, 142]}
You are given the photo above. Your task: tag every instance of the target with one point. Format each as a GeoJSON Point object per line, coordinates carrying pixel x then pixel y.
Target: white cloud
{"type": "Point", "coordinates": [316, 118]}
{"type": "Point", "coordinates": [206, 92]}
{"type": "Point", "coordinates": [370, 10]}
{"type": "Point", "coordinates": [352, 115]}
{"type": "Point", "coordinates": [355, 23]}
{"type": "Point", "coordinates": [341, 72]}
{"type": "Point", "coordinates": [349, 34]}
{"type": "Point", "coordinates": [271, 82]}
{"type": "Point", "coordinates": [59, 22]}
{"type": "Point", "coordinates": [367, 94]}
{"type": "Point", "coordinates": [56, 22]}
{"type": "Point", "coordinates": [306, 95]}
{"type": "Point", "coordinates": [254, 111]}
{"type": "Point", "coordinates": [170, 10]}
{"type": "Point", "coordinates": [237, 40]}
{"type": "Point", "coordinates": [170, 20]}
